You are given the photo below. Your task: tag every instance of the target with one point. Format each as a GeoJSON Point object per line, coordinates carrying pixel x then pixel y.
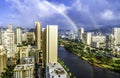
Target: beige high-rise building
{"type": "Point", "coordinates": [23, 52]}
{"type": "Point", "coordinates": [19, 36]}
{"type": "Point", "coordinates": [87, 38]}
{"type": "Point", "coordinates": [44, 46]}
{"type": "Point", "coordinates": [116, 34]}
{"type": "Point", "coordinates": [109, 41]}
{"type": "Point", "coordinates": [38, 35]}
{"type": "Point", "coordinates": [3, 59]}
{"type": "Point", "coordinates": [51, 43]}
{"type": "Point", "coordinates": [30, 36]}
{"type": "Point", "coordinates": [24, 37]}
{"type": "Point", "coordinates": [81, 31]}
{"type": "Point", "coordinates": [8, 40]}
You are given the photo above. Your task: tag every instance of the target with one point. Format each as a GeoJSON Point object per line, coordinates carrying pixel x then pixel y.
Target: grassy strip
{"type": "Point", "coordinates": [78, 48]}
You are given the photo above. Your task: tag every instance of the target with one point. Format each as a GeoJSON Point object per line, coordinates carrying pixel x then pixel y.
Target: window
{"type": "Point", "coordinates": [52, 76]}
{"type": "Point", "coordinates": [58, 75]}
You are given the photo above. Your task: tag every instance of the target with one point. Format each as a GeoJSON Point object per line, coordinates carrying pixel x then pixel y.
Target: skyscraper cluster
{"type": "Point", "coordinates": [100, 40]}
{"type": "Point", "coordinates": [31, 50]}
{"type": "Point", "coordinates": [49, 51]}
{"type": "Point", "coordinates": [95, 39]}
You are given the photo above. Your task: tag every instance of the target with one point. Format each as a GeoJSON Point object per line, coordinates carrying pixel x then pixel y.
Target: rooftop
{"type": "Point", "coordinates": [24, 67]}
{"type": "Point", "coordinates": [55, 69]}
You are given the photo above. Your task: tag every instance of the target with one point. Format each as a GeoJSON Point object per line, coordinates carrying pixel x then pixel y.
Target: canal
{"type": "Point", "coordinates": [81, 68]}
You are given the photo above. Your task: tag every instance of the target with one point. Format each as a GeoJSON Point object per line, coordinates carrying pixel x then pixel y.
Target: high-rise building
{"type": "Point", "coordinates": [24, 38]}
{"type": "Point", "coordinates": [98, 41]}
{"type": "Point", "coordinates": [19, 36]}
{"type": "Point", "coordinates": [38, 35]}
{"type": "Point", "coordinates": [30, 36]}
{"type": "Point", "coordinates": [72, 36]}
{"type": "Point", "coordinates": [10, 26]}
{"type": "Point", "coordinates": [87, 38]}
{"type": "Point", "coordinates": [8, 41]}
{"type": "Point", "coordinates": [0, 36]}
{"type": "Point", "coordinates": [81, 31]}
{"type": "Point", "coordinates": [3, 58]}
{"type": "Point", "coordinates": [44, 46]}
{"type": "Point", "coordinates": [99, 38]}
{"type": "Point", "coordinates": [23, 52]}
{"type": "Point", "coordinates": [116, 34]}
{"type": "Point", "coordinates": [109, 41]}
{"type": "Point", "coordinates": [51, 43]}
{"type": "Point", "coordinates": [49, 48]}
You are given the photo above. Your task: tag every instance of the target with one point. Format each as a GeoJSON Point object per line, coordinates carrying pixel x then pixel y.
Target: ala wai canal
{"type": "Point", "coordinates": [82, 69]}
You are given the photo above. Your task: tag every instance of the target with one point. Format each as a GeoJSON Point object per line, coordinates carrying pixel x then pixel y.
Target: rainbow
{"type": "Point", "coordinates": [69, 19]}
{"type": "Point", "coordinates": [64, 15]}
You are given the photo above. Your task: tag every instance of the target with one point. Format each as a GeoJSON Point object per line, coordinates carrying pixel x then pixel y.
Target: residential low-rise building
{"type": "Point", "coordinates": [24, 71]}
{"type": "Point", "coordinates": [28, 60]}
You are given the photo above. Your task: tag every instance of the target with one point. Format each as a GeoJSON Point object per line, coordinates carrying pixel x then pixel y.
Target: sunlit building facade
{"type": "Point", "coordinates": [116, 34]}
{"type": "Point", "coordinates": [51, 43]}
{"type": "Point", "coordinates": [38, 35]}
{"type": "Point", "coordinates": [19, 36]}
{"type": "Point", "coordinates": [87, 38]}
{"type": "Point", "coordinates": [8, 40]}
{"type": "Point", "coordinates": [81, 31]}
{"type": "Point", "coordinates": [98, 41]}
{"type": "Point", "coordinates": [30, 37]}
{"type": "Point", "coordinates": [3, 59]}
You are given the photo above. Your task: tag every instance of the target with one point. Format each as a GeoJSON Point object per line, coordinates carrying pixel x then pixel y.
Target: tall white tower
{"type": "Point", "coordinates": [81, 31]}
{"type": "Point", "coordinates": [38, 35]}
{"type": "Point", "coordinates": [19, 36]}
{"type": "Point", "coordinates": [116, 34]}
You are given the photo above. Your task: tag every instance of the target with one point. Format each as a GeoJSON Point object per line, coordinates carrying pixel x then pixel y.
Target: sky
{"type": "Point", "coordinates": [67, 14]}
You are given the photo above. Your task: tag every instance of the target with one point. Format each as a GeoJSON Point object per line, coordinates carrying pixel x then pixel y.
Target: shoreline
{"type": "Point", "coordinates": [93, 64]}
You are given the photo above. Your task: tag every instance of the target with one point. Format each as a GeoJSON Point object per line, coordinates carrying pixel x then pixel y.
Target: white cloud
{"type": "Point", "coordinates": [63, 8]}
{"type": "Point", "coordinates": [29, 11]}
{"type": "Point", "coordinates": [78, 5]}
{"type": "Point", "coordinates": [107, 15]}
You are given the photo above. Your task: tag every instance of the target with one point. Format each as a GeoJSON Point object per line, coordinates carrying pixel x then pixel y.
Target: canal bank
{"type": "Point", "coordinates": [81, 68]}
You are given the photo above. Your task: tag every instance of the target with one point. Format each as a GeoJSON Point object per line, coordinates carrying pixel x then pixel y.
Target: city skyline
{"type": "Point", "coordinates": [60, 39]}
{"type": "Point", "coordinates": [42, 51]}
{"type": "Point", "coordinates": [88, 14]}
